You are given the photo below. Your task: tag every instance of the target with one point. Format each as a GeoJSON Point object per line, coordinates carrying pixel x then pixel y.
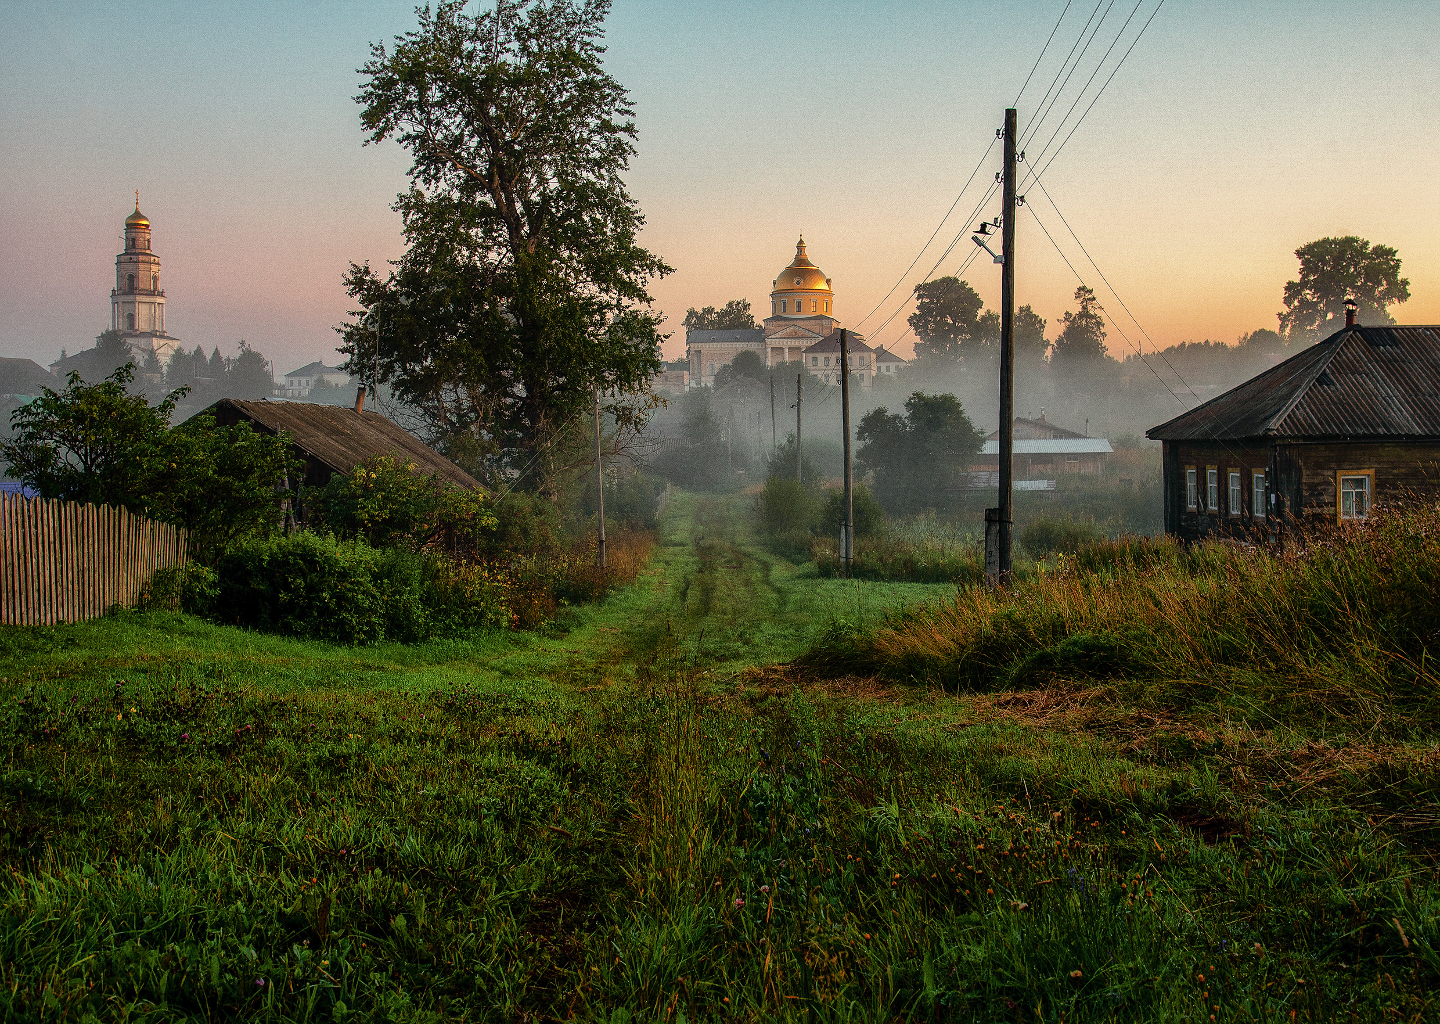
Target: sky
{"type": "Point", "coordinates": [1231, 134]}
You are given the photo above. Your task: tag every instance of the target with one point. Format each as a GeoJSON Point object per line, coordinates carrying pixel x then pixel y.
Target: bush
{"type": "Point", "coordinates": [1046, 536]}
{"type": "Point", "coordinates": [869, 516]}
{"type": "Point", "coordinates": [386, 503]}
{"type": "Point", "coordinates": [788, 507]}
{"type": "Point", "coordinates": [350, 593]}
{"type": "Point", "coordinates": [189, 587]}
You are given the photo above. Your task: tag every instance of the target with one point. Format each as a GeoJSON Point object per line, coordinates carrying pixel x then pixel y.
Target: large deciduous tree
{"type": "Point", "coordinates": [947, 318]}
{"type": "Point", "coordinates": [735, 315]}
{"type": "Point", "coordinates": [1333, 270]}
{"type": "Point", "coordinates": [523, 284]}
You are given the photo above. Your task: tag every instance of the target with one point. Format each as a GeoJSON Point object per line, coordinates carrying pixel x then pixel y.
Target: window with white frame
{"type": "Point", "coordinates": [1192, 489]}
{"type": "Point", "coordinates": [1212, 489]}
{"type": "Point", "coordinates": [814, 360]}
{"type": "Point", "coordinates": [1355, 493]}
{"type": "Point", "coordinates": [1237, 494]}
{"type": "Point", "coordinates": [1257, 493]}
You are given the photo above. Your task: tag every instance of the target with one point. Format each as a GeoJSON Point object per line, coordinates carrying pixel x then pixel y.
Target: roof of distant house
{"type": "Point", "coordinates": [1359, 382]}
{"type": "Point", "coordinates": [340, 437]}
{"type": "Point", "coordinates": [831, 343]}
{"type": "Point", "coordinates": [738, 336]}
{"type": "Point", "coordinates": [884, 356]}
{"type": "Point", "coordinates": [1052, 446]}
{"type": "Point", "coordinates": [314, 370]}
{"type": "Point", "coordinates": [24, 377]}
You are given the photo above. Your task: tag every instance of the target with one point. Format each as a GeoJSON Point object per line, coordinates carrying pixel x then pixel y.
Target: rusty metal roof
{"type": "Point", "coordinates": [1359, 382]}
{"type": "Point", "coordinates": [340, 437]}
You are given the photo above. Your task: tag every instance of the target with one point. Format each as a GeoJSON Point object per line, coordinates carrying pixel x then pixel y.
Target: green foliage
{"type": "Point", "coordinates": [947, 318]}
{"type": "Point", "coordinates": [1079, 351]}
{"type": "Point", "coordinates": [868, 515]}
{"type": "Point", "coordinates": [523, 282]}
{"type": "Point", "coordinates": [916, 459]}
{"type": "Point", "coordinates": [222, 483]}
{"type": "Point", "coordinates": [96, 443]}
{"type": "Point", "coordinates": [1048, 536]}
{"type": "Point", "coordinates": [746, 367]}
{"type": "Point", "coordinates": [386, 503]}
{"type": "Point", "coordinates": [1333, 270]}
{"type": "Point", "coordinates": [189, 587]}
{"type": "Point", "coordinates": [91, 443]}
{"type": "Point", "coordinates": [347, 592]}
{"type": "Point", "coordinates": [735, 315]}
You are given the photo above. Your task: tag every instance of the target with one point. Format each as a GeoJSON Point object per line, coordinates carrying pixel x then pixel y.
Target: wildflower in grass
{"type": "Point", "coordinates": [764, 888]}
{"type": "Point", "coordinates": [739, 902]}
{"type": "Point", "coordinates": [259, 982]}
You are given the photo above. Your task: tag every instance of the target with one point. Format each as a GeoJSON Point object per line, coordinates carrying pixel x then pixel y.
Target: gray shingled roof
{"type": "Point", "coordinates": [746, 336]}
{"type": "Point", "coordinates": [340, 437]}
{"type": "Point", "coordinates": [25, 377]}
{"type": "Point", "coordinates": [1359, 382]}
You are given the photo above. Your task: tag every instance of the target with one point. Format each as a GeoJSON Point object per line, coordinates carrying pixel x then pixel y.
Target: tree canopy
{"type": "Point", "coordinates": [99, 444]}
{"type": "Point", "coordinates": [1080, 346]}
{"type": "Point", "coordinates": [523, 284]}
{"type": "Point", "coordinates": [735, 315]}
{"type": "Point", "coordinates": [1333, 270]}
{"type": "Point", "coordinates": [915, 458]}
{"type": "Point", "coordinates": [947, 318]}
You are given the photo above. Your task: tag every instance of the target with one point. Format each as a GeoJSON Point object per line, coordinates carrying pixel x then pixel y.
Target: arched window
{"type": "Point", "coordinates": [129, 321]}
{"type": "Point", "coordinates": [154, 282]}
{"type": "Point", "coordinates": [129, 282]}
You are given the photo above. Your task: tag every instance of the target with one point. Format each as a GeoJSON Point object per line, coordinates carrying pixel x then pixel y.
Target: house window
{"type": "Point", "coordinates": [1356, 490]}
{"type": "Point", "coordinates": [1257, 493]}
{"type": "Point", "coordinates": [712, 369]}
{"type": "Point", "coordinates": [1237, 496]}
{"type": "Point", "coordinates": [1192, 490]}
{"type": "Point", "coordinates": [814, 360]}
{"type": "Point", "coordinates": [827, 360]}
{"type": "Point", "coordinates": [1212, 489]}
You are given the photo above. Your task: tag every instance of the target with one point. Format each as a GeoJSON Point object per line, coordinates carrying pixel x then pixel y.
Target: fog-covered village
{"type": "Point", "coordinates": [630, 511]}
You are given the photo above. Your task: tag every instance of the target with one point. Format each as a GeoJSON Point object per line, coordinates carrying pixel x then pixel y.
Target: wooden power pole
{"type": "Point", "coordinates": [847, 544]}
{"type": "Point", "coordinates": [600, 477]}
{"type": "Point", "coordinates": [774, 434]}
{"type": "Point", "coordinates": [799, 462]}
{"type": "Point", "coordinates": [1007, 356]}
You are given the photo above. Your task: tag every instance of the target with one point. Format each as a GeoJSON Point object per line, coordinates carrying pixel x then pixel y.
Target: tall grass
{"type": "Point", "coordinates": [1347, 622]}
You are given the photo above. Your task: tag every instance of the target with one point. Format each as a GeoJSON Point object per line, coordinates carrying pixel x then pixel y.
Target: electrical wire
{"type": "Point", "coordinates": [1042, 107]}
{"type": "Point", "coordinates": [1042, 53]}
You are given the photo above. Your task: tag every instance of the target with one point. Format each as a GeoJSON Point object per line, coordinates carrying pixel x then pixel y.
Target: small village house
{"type": "Point", "coordinates": [1319, 439]}
{"type": "Point", "coordinates": [1043, 453]}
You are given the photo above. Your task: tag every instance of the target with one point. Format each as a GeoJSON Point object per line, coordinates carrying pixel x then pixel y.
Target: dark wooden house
{"type": "Point", "coordinates": [1318, 439]}
{"type": "Point", "coordinates": [335, 439]}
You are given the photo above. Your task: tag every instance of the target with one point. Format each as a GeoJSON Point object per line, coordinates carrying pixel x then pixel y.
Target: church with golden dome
{"type": "Point", "coordinates": [802, 328]}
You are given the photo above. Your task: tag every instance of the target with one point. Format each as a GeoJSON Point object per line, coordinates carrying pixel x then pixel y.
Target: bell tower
{"type": "Point", "coordinates": [137, 303]}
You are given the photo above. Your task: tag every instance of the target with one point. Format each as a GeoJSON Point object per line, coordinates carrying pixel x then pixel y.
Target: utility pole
{"type": "Point", "coordinates": [774, 434]}
{"type": "Point", "coordinates": [600, 478]}
{"type": "Point", "coordinates": [847, 533]}
{"type": "Point", "coordinates": [799, 462]}
{"type": "Point", "coordinates": [1007, 356]}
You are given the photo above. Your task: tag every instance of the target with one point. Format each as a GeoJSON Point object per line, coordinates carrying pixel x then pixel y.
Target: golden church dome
{"type": "Point", "coordinates": [801, 274]}
{"type": "Point", "coordinates": [137, 219]}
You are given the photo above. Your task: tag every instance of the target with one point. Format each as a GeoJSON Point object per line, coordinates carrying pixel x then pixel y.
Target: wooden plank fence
{"type": "Point", "coordinates": [61, 561]}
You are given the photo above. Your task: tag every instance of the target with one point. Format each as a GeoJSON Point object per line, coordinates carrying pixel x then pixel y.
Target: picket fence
{"type": "Point", "coordinates": [61, 561]}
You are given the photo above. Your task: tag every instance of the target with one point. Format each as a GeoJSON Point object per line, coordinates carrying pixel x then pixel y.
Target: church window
{"type": "Point", "coordinates": [812, 305]}
{"type": "Point", "coordinates": [827, 305]}
{"type": "Point", "coordinates": [154, 282]}
{"type": "Point", "coordinates": [129, 282]}
{"type": "Point", "coordinates": [129, 321]}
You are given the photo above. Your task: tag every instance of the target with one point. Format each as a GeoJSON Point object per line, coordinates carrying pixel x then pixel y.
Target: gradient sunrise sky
{"type": "Point", "coordinates": [1233, 133]}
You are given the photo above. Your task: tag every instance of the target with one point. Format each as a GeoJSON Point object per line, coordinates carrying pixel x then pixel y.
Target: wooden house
{"type": "Point", "coordinates": [335, 439]}
{"type": "Point", "coordinates": [1315, 440]}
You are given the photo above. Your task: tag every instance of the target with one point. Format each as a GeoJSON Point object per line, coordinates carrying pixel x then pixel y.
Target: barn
{"type": "Point", "coordinates": [1319, 439]}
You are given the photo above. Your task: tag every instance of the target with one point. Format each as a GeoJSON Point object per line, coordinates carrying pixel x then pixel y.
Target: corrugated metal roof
{"type": "Point", "coordinates": [1052, 446]}
{"type": "Point", "coordinates": [1359, 382]}
{"type": "Point", "coordinates": [340, 437]}
{"type": "Point", "coordinates": [740, 336]}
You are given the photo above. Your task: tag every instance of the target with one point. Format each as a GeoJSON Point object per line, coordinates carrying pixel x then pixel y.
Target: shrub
{"type": "Point", "coordinates": [348, 592]}
{"type": "Point", "coordinates": [788, 507]}
{"type": "Point", "coordinates": [1046, 536]}
{"type": "Point", "coordinates": [386, 503]}
{"type": "Point", "coordinates": [869, 516]}
{"type": "Point", "coordinates": [189, 587]}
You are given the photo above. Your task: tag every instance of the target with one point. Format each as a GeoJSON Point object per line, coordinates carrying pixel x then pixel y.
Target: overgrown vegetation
{"type": "Point", "coordinates": [254, 828]}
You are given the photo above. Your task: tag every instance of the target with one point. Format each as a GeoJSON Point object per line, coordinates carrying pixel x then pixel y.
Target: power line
{"type": "Point", "coordinates": [943, 219]}
{"type": "Point", "coordinates": [1042, 54]}
{"type": "Point", "coordinates": [1081, 94]}
{"type": "Point", "coordinates": [1034, 125]}
{"type": "Point", "coordinates": [1118, 66]}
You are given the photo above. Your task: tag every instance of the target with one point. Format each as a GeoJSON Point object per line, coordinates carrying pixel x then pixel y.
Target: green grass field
{"type": "Point", "coordinates": [641, 813]}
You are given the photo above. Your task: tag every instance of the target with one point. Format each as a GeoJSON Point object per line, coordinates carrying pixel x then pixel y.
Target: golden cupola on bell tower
{"type": "Point", "coordinates": [802, 289]}
{"type": "Point", "coordinates": [137, 303]}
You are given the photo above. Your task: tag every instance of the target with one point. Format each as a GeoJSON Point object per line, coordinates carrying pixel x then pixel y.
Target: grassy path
{"type": "Point", "coordinates": [614, 820]}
